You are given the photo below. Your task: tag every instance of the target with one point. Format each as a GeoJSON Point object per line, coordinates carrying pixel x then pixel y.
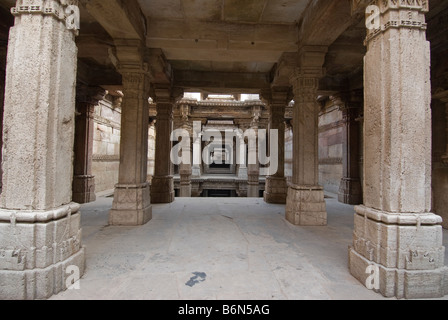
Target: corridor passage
{"type": "Point", "coordinates": [228, 248]}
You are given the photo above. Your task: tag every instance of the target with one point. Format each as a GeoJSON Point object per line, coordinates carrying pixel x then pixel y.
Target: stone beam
{"type": "Point", "coordinates": [221, 80]}
{"type": "Point", "coordinates": [220, 35]}
{"type": "Point", "coordinates": [98, 75]}
{"type": "Point", "coordinates": [121, 19]}
{"type": "Point", "coordinates": [161, 70]}
{"type": "Point", "coordinates": [324, 21]}
{"type": "Point", "coordinates": [282, 70]}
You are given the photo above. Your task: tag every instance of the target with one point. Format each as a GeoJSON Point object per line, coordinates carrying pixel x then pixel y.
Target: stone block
{"type": "Point", "coordinates": [131, 206]}
{"type": "Point", "coordinates": [39, 283]}
{"type": "Point", "coordinates": [306, 206]}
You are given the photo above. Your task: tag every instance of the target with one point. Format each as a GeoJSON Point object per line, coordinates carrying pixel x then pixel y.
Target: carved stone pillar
{"type": "Point", "coordinates": [83, 181]}
{"type": "Point", "coordinates": [253, 167]}
{"type": "Point", "coordinates": [132, 202]}
{"type": "Point", "coordinates": [242, 155]}
{"type": "Point", "coordinates": [397, 242]}
{"type": "Point", "coordinates": [185, 169]}
{"type": "Point", "coordinates": [305, 202]}
{"type": "Point", "coordinates": [40, 235]}
{"type": "Point", "coordinates": [276, 186]}
{"type": "Point", "coordinates": [350, 190]}
{"type": "Point", "coordinates": [162, 188]}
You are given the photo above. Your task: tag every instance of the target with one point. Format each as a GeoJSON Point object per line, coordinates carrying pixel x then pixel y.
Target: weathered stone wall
{"type": "Point", "coordinates": [439, 170]}
{"type": "Point", "coordinates": [106, 145]}
{"type": "Point", "coordinates": [330, 148]}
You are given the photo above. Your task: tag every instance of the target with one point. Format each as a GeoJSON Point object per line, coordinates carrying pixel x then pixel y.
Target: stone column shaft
{"type": "Point", "coordinates": [84, 183]}
{"type": "Point", "coordinates": [253, 169]}
{"type": "Point", "coordinates": [276, 186]}
{"type": "Point", "coordinates": [305, 201]}
{"type": "Point", "coordinates": [162, 188]}
{"type": "Point", "coordinates": [443, 97]}
{"type": "Point", "coordinates": [132, 205]}
{"type": "Point", "coordinates": [2, 99]}
{"type": "Point", "coordinates": [395, 234]}
{"type": "Point", "coordinates": [185, 171]}
{"type": "Point", "coordinates": [350, 190]}
{"type": "Point", "coordinates": [40, 233]}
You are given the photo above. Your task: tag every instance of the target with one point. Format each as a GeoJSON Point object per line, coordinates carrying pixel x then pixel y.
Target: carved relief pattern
{"type": "Point", "coordinates": [54, 8]}
{"type": "Point", "coordinates": [398, 21]}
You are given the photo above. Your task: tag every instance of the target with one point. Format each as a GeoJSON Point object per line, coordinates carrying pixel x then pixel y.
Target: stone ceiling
{"type": "Point", "coordinates": [223, 35]}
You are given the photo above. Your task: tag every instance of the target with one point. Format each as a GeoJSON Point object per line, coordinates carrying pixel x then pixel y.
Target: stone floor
{"type": "Point", "coordinates": [225, 248]}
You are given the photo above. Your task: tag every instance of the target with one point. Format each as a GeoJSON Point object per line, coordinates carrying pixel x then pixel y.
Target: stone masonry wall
{"type": "Point", "coordinates": [330, 148]}
{"type": "Point", "coordinates": [106, 145]}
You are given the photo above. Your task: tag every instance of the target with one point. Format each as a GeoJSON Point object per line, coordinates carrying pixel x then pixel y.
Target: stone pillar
{"type": "Point", "coordinates": [162, 188]}
{"type": "Point", "coordinates": [132, 202]}
{"type": "Point", "coordinates": [350, 190]}
{"type": "Point", "coordinates": [242, 152]}
{"type": "Point", "coordinates": [185, 169]}
{"type": "Point", "coordinates": [253, 169]}
{"type": "Point", "coordinates": [276, 186]}
{"type": "Point", "coordinates": [2, 98]}
{"type": "Point", "coordinates": [83, 181]}
{"type": "Point", "coordinates": [197, 157]}
{"type": "Point", "coordinates": [397, 243]}
{"type": "Point", "coordinates": [40, 235]}
{"type": "Point", "coordinates": [443, 97]}
{"type": "Point", "coordinates": [305, 203]}
{"type": "Point", "coordinates": [185, 178]}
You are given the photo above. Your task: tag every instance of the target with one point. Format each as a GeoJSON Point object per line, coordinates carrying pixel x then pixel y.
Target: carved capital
{"type": "Point", "coordinates": [136, 85]}
{"type": "Point", "coordinates": [66, 11]}
{"type": "Point", "coordinates": [396, 14]}
{"type": "Point", "coordinates": [304, 85]}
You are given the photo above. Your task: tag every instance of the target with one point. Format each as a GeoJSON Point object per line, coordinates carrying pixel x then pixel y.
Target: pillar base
{"type": "Point", "coordinates": [162, 189]}
{"type": "Point", "coordinates": [131, 206]}
{"type": "Point", "coordinates": [350, 191]}
{"type": "Point", "coordinates": [276, 190]}
{"type": "Point", "coordinates": [185, 191]}
{"type": "Point", "coordinates": [84, 189]}
{"type": "Point", "coordinates": [405, 249]}
{"type": "Point", "coordinates": [305, 206]}
{"type": "Point", "coordinates": [36, 248]}
{"type": "Point", "coordinates": [196, 172]}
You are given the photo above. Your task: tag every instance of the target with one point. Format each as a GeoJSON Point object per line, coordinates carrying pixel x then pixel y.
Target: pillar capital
{"type": "Point", "coordinates": [65, 11]}
{"type": "Point", "coordinates": [305, 85]}
{"type": "Point", "coordinates": [394, 14]}
{"type": "Point", "coordinates": [91, 95]}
